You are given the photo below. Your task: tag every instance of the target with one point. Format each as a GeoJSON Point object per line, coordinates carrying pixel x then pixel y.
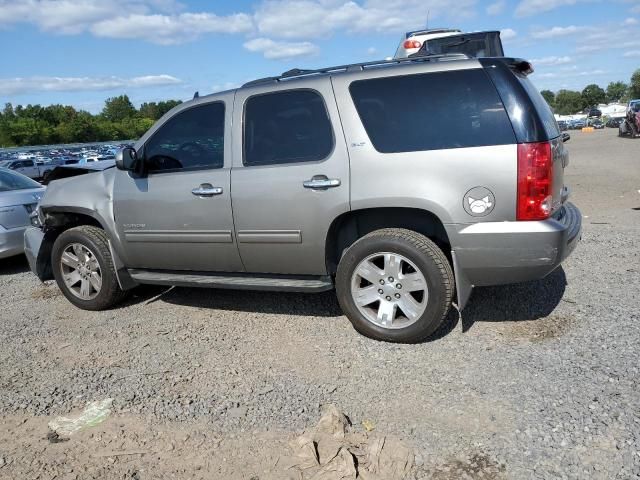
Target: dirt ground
{"type": "Point", "coordinates": [536, 380]}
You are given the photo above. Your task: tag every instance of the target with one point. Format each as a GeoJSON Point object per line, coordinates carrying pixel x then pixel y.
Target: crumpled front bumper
{"type": "Point", "coordinates": [37, 256]}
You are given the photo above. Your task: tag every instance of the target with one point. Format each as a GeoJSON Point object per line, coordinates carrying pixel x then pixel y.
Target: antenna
{"type": "Point", "coordinates": [196, 95]}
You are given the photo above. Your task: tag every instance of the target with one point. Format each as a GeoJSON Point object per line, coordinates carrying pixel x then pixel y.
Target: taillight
{"type": "Point", "coordinates": [411, 44]}
{"type": "Point", "coordinates": [535, 181]}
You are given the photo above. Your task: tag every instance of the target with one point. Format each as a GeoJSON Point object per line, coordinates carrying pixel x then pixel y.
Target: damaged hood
{"type": "Point", "coordinates": [73, 170]}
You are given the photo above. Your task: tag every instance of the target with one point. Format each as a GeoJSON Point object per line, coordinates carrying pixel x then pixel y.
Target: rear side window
{"type": "Point", "coordinates": [286, 127]}
{"type": "Point", "coordinates": [541, 106]}
{"type": "Point", "coordinates": [432, 111]}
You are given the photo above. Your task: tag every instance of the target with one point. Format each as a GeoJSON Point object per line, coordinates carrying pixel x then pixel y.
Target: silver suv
{"type": "Point", "coordinates": [397, 183]}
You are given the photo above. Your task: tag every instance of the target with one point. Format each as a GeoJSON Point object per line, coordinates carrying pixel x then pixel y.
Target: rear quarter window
{"type": "Point", "coordinates": [541, 106]}
{"type": "Point", "coordinates": [432, 111]}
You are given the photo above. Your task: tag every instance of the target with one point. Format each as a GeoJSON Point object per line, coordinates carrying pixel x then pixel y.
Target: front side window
{"type": "Point", "coordinates": [192, 139]}
{"type": "Point", "coordinates": [286, 127]}
{"type": "Point", "coordinates": [432, 111]}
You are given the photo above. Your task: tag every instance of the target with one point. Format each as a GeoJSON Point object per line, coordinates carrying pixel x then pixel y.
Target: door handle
{"type": "Point", "coordinates": [321, 182]}
{"type": "Point", "coordinates": [206, 190]}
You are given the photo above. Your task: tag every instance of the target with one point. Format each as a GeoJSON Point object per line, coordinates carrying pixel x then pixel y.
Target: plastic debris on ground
{"type": "Point", "coordinates": [94, 414]}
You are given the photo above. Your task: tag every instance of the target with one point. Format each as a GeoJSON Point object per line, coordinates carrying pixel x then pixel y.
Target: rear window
{"type": "Point", "coordinates": [541, 106]}
{"type": "Point", "coordinates": [13, 181]}
{"type": "Point", "coordinates": [432, 111]}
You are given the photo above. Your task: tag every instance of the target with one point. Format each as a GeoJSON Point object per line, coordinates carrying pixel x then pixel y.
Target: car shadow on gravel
{"type": "Point", "coordinates": [518, 302]}
{"type": "Point", "coordinates": [315, 305]}
{"type": "Point", "coordinates": [14, 265]}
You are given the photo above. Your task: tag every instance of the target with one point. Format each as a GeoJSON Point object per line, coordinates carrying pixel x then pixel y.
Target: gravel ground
{"type": "Point", "coordinates": [538, 380]}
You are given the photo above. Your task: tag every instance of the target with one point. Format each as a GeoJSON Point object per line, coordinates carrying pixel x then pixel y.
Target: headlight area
{"type": "Point", "coordinates": [36, 218]}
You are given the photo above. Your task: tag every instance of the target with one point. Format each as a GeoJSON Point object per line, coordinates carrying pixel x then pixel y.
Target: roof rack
{"type": "Point", "coordinates": [355, 67]}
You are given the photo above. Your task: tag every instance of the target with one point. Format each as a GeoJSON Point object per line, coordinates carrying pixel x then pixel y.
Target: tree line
{"type": "Point", "coordinates": [568, 102]}
{"type": "Point", "coordinates": [118, 120]}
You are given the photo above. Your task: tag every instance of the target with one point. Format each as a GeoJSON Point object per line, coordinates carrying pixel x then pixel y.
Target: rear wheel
{"type": "Point", "coordinates": [395, 285]}
{"type": "Point", "coordinates": [83, 268]}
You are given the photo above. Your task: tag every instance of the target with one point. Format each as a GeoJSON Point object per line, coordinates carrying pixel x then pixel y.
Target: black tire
{"type": "Point", "coordinates": [426, 256]}
{"type": "Point", "coordinates": [95, 239]}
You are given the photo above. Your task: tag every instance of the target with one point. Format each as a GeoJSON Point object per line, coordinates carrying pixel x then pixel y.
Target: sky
{"type": "Point", "coordinates": [80, 52]}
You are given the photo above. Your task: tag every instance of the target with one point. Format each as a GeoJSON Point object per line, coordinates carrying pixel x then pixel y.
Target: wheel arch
{"type": "Point", "coordinates": [352, 225]}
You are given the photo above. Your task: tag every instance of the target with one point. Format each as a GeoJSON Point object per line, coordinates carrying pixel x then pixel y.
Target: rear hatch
{"type": "Point", "coordinates": [531, 116]}
{"type": "Point", "coordinates": [474, 45]}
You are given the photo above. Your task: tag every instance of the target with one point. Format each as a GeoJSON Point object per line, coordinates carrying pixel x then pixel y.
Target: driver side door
{"type": "Point", "coordinates": [177, 216]}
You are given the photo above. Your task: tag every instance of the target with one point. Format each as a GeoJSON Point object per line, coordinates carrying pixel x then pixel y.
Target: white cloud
{"type": "Point", "coordinates": [171, 29]}
{"type": "Point", "coordinates": [372, 51]}
{"type": "Point", "coordinates": [559, 32]}
{"type": "Point", "coordinates": [635, 9]}
{"type": "Point", "coordinates": [496, 8]}
{"type": "Point", "coordinates": [508, 34]}
{"type": "Point", "coordinates": [157, 21]}
{"type": "Point", "coordinates": [528, 8]}
{"type": "Point", "coordinates": [275, 50]}
{"type": "Point", "coordinates": [74, 16]}
{"type": "Point", "coordinates": [319, 18]}
{"type": "Point", "coordinates": [552, 60]}
{"type": "Point", "coordinates": [630, 21]}
{"type": "Point", "coordinates": [632, 53]}
{"type": "Point", "coordinates": [14, 86]}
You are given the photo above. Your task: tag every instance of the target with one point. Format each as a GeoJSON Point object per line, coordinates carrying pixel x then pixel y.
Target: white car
{"type": "Point", "coordinates": [412, 41]}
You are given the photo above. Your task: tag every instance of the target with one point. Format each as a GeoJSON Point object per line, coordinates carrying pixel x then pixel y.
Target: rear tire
{"type": "Point", "coordinates": [83, 268]}
{"type": "Point", "coordinates": [395, 285]}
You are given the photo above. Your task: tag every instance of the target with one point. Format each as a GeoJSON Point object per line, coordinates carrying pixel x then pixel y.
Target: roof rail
{"type": "Point", "coordinates": [355, 67]}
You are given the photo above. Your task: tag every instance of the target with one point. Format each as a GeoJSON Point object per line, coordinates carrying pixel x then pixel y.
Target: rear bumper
{"type": "Point", "coordinates": [495, 253]}
{"type": "Point", "coordinates": [11, 241]}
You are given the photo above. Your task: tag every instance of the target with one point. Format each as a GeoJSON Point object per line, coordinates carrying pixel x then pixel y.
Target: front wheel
{"type": "Point", "coordinates": [83, 268]}
{"type": "Point", "coordinates": [395, 285]}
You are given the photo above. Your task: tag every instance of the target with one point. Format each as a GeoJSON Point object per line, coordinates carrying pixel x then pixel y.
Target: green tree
{"type": "Point", "coordinates": [568, 102]}
{"type": "Point", "coordinates": [592, 95]}
{"type": "Point", "coordinates": [117, 109]}
{"type": "Point", "coordinates": [616, 91]}
{"type": "Point", "coordinates": [549, 96]}
{"type": "Point", "coordinates": [634, 88]}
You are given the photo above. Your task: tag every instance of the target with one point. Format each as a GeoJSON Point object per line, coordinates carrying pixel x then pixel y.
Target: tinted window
{"type": "Point", "coordinates": [286, 127]}
{"type": "Point", "coordinates": [541, 106]}
{"type": "Point", "coordinates": [194, 138]}
{"type": "Point", "coordinates": [432, 111]}
{"type": "Point", "coordinates": [13, 181]}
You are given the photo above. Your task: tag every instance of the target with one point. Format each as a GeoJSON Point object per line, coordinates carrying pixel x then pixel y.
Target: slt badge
{"type": "Point", "coordinates": [479, 202]}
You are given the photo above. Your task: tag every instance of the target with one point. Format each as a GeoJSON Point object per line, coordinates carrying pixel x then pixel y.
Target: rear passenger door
{"type": "Point", "coordinates": [290, 177]}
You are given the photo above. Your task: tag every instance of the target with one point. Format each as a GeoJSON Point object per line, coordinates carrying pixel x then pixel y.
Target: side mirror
{"type": "Point", "coordinates": [565, 137]}
{"type": "Point", "coordinates": [126, 159]}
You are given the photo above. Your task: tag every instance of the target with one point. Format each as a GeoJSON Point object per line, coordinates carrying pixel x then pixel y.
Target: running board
{"type": "Point", "coordinates": [275, 283]}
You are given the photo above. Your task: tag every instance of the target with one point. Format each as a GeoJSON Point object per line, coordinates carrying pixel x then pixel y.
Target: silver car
{"type": "Point", "coordinates": [18, 198]}
{"type": "Point", "coordinates": [402, 184]}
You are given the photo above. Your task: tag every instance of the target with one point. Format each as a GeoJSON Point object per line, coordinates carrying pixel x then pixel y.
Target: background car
{"type": "Point", "coordinates": [19, 196]}
{"type": "Point", "coordinates": [597, 124]}
{"type": "Point", "coordinates": [614, 122]}
{"type": "Point", "coordinates": [594, 112]}
{"type": "Point", "coordinates": [413, 41]}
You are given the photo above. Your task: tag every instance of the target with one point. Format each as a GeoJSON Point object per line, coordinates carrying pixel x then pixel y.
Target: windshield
{"type": "Point", "coordinates": [13, 181]}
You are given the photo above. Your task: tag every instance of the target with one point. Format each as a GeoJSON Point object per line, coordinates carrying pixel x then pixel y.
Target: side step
{"type": "Point", "coordinates": [237, 281]}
